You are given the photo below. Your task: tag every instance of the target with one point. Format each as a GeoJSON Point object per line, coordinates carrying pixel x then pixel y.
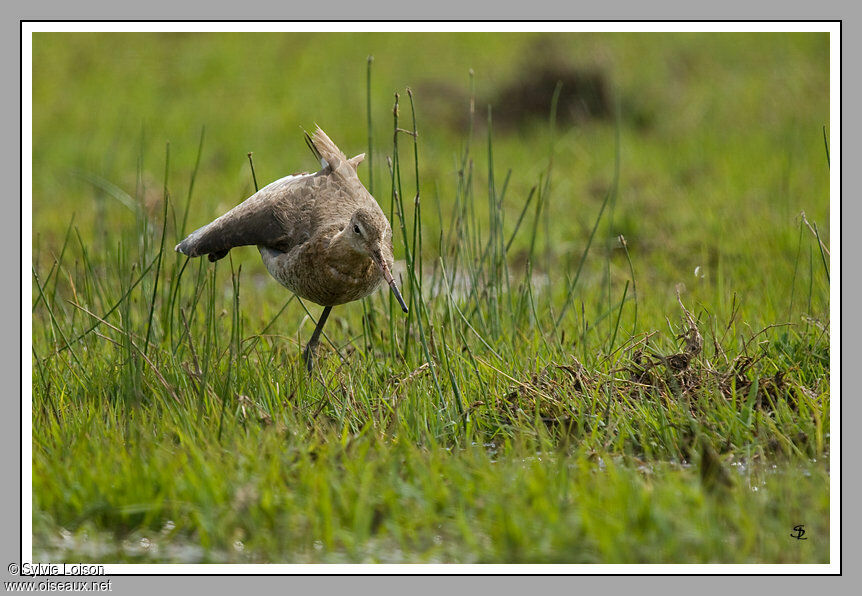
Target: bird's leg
{"type": "Point", "coordinates": [311, 346]}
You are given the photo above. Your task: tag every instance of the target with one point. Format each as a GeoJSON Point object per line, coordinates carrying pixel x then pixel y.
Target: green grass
{"type": "Point", "coordinates": [556, 394]}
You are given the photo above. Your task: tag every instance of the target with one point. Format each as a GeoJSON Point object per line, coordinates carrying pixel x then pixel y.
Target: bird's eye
{"type": "Point", "coordinates": [356, 229]}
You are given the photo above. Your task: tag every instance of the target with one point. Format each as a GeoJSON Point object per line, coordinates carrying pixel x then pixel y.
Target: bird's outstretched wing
{"type": "Point", "coordinates": [278, 215]}
{"type": "Point", "coordinates": [257, 220]}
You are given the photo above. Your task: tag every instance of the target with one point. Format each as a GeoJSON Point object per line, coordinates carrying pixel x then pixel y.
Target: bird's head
{"type": "Point", "coordinates": [369, 233]}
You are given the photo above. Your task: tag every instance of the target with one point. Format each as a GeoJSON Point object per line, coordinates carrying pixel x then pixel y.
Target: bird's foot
{"type": "Point", "coordinates": [310, 348]}
{"type": "Point", "coordinates": [308, 356]}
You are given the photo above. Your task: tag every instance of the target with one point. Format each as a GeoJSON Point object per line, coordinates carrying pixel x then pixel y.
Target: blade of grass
{"type": "Point", "coordinates": [161, 251]}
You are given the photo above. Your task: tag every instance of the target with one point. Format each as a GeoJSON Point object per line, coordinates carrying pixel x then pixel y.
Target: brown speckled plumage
{"type": "Point", "coordinates": [322, 235]}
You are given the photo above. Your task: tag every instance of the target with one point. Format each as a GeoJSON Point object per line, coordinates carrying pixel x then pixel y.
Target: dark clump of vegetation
{"type": "Point", "coordinates": [584, 95]}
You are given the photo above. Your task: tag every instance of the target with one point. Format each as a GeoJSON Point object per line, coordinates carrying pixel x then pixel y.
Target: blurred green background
{"type": "Point", "coordinates": [721, 143]}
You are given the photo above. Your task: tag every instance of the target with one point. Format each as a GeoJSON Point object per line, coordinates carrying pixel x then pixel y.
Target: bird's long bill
{"type": "Point", "coordinates": [387, 275]}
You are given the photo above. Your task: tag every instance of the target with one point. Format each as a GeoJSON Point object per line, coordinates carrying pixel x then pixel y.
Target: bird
{"type": "Point", "coordinates": [322, 236]}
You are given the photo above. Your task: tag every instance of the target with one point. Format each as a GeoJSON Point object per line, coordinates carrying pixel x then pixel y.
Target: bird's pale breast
{"type": "Point", "coordinates": [319, 273]}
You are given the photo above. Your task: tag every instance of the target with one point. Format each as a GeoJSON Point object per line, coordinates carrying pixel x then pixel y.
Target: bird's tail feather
{"type": "Point", "coordinates": [329, 152]}
{"type": "Point", "coordinates": [314, 150]}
